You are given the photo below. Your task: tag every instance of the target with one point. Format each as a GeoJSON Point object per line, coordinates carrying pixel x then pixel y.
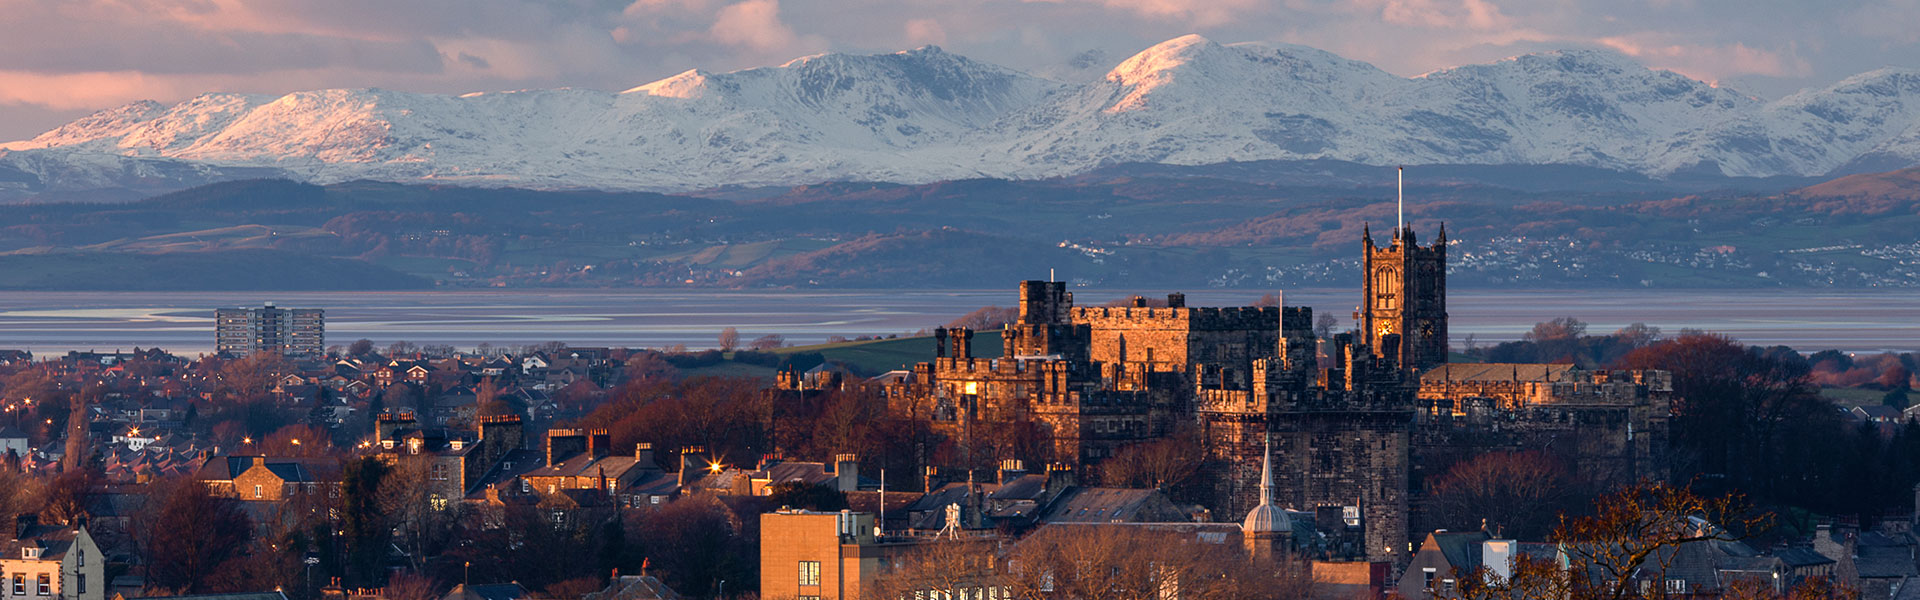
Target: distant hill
{"type": "Point", "coordinates": [1902, 185]}
{"type": "Point", "coordinates": [197, 271]}
{"type": "Point", "coordinates": [1166, 227]}
{"type": "Point", "coordinates": [925, 115]}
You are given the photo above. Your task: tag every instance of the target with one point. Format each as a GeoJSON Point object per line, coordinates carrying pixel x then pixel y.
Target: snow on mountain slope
{"type": "Point", "coordinates": [925, 115]}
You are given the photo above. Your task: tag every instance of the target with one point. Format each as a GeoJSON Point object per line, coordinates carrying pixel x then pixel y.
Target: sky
{"type": "Point", "coordinates": [62, 59]}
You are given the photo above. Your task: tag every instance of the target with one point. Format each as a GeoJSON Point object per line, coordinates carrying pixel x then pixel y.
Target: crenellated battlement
{"type": "Point", "coordinates": [1194, 318]}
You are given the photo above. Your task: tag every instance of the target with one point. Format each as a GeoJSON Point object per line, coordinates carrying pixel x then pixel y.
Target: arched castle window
{"type": "Point", "coordinates": [1386, 288]}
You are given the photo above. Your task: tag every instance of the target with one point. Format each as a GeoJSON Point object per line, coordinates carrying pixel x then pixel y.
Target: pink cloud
{"type": "Point", "coordinates": [1443, 14]}
{"type": "Point", "coordinates": [1194, 13]}
{"type": "Point", "coordinates": [91, 90]}
{"type": "Point", "coordinates": [925, 31]}
{"type": "Point", "coordinates": [1709, 62]}
{"type": "Point", "coordinates": [752, 24]}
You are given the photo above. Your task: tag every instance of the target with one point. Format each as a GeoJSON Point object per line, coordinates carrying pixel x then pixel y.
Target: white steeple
{"type": "Point", "coordinates": [1266, 518]}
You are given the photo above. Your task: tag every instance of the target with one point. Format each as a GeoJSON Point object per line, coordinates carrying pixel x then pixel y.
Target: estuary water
{"type": "Point", "coordinates": [182, 322]}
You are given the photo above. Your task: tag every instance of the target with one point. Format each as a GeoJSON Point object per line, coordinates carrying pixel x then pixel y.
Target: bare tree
{"type": "Point", "coordinates": [729, 339]}
{"type": "Point", "coordinates": [1116, 562]}
{"type": "Point", "coordinates": [1163, 463]}
{"type": "Point", "coordinates": [768, 342]}
{"type": "Point", "coordinates": [1523, 490]}
{"type": "Point", "coordinates": [941, 569]}
{"type": "Point", "coordinates": [1639, 529]}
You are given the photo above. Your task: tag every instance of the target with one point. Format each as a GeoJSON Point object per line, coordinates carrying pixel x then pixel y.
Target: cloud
{"type": "Point", "coordinates": [752, 24]}
{"type": "Point", "coordinates": [1710, 63]}
{"type": "Point", "coordinates": [925, 31]}
{"type": "Point", "coordinates": [1194, 13]}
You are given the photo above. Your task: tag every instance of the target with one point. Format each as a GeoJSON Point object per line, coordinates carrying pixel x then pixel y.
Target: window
{"type": "Point", "coordinates": [1429, 574]}
{"type": "Point", "coordinates": [1676, 586]}
{"type": "Point", "coordinates": [258, 491]}
{"type": "Point", "coordinates": [809, 572]}
{"type": "Point", "coordinates": [19, 584]}
{"type": "Point", "coordinates": [79, 557]}
{"type": "Point", "coordinates": [1446, 586]}
{"type": "Point", "coordinates": [45, 584]}
{"type": "Point", "coordinates": [80, 583]}
{"type": "Point", "coordinates": [439, 472]}
{"type": "Point", "coordinates": [437, 502]}
{"type": "Point", "coordinates": [809, 598]}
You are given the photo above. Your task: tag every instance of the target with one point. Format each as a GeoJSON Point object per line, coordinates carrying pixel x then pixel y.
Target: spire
{"type": "Point", "coordinates": [1266, 473]}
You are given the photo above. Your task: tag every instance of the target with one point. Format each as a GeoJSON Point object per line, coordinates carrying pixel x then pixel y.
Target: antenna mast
{"type": "Point", "coordinates": [1401, 172]}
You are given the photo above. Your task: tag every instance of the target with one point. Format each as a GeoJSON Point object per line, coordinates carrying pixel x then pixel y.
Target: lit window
{"type": "Point", "coordinates": [809, 572]}
{"type": "Point", "coordinates": [437, 502]}
{"type": "Point", "coordinates": [259, 492]}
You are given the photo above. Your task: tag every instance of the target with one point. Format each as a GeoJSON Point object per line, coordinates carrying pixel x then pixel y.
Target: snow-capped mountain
{"type": "Point", "coordinates": [927, 115]}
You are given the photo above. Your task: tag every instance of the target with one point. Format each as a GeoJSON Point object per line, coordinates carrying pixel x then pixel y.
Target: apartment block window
{"type": "Point", "coordinates": [19, 584]}
{"type": "Point", "coordinates": [809, 572]}
{"type": "Point", "coordinates": [45, 584]}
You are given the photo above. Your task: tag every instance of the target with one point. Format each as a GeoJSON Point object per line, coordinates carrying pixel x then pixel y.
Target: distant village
{"type": "Point", "coordinates": [1138, 449]}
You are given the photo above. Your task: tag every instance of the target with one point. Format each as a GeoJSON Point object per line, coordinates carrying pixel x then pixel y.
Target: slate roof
{"type": "Point", "coordinates": [585, 465]}
{"type": "Point", "coordinates": [234, 596]}
{"type": "Point", "coordinates": [1102, 505]}
{"type": "Point", "coordinates": [1800, 557]}
{"type": "Point", "coordinates": [52, 540]}
{"type": "Point", "coordinates": [491, 591]}
{"type": "Point", "coordinates": [1496, 372]}
{"type": "Point", "coordinates": [629, 587]}
{"type": "Point", "coordinates": [1461, 548]}
{"type": "Point", "coordinates": [291, 469]}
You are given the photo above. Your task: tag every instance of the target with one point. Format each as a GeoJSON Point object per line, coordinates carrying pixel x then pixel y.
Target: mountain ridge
{"type": "Point", "coordinates": [925, 114]}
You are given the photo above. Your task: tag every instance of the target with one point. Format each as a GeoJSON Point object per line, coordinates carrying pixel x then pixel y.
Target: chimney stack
{"type": "Point", "coordinates": [1011, 469]}
{"type": "Point", "coordinates": [939, 342]}
{"type": "Point", "coordinates": [599, 444]}
{"type": "Point", "coordinates": [1059, 478]}
{"type": "Point", "coordinates": [563, 444]}
{"type": "Point", "coordinates": [689, 455]}
{"type": "Point", "coordinates": [1176, 300]}
{"type": "Point", "coordinates": [643, 455]}
{"type": "Point", "coordinates": [962, 342]}
{"type": "Point", "coordinates": [846, 469]}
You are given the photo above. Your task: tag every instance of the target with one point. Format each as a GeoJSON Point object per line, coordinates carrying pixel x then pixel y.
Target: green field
{"type": "Point", "coordinates": [879, 356]}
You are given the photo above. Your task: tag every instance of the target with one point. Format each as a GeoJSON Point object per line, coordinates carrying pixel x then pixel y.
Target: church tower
{"type": "Point", "coordinates": [1403, 311]}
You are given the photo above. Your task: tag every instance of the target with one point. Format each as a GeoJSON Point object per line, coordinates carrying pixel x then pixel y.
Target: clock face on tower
{"type": "Point", "coordinates": [1385, 329]}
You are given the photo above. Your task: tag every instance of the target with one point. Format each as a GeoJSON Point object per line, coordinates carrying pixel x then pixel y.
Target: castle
{"type": "Point", "coordinates": [1355, 422]}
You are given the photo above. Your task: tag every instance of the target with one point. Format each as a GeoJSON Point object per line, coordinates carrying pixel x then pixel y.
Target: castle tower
{"type": "Point", "coordinates": [1267, 531]}
{"type": "Point", "coordinates": [1403, 310]}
